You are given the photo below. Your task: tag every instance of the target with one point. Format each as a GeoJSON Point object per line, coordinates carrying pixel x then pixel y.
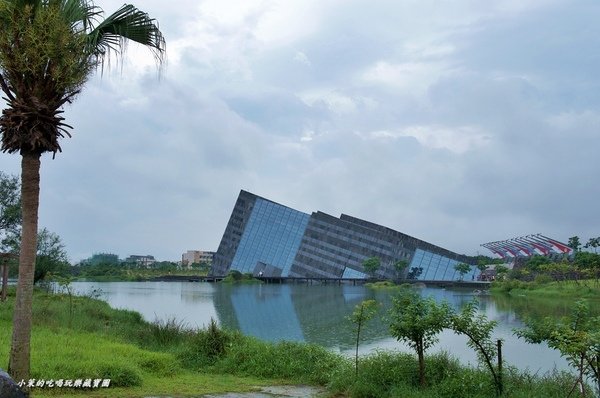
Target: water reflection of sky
{"type": "Point", "coordinates": [314, 313]}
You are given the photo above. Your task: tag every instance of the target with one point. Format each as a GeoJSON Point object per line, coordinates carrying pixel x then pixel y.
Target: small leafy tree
{"type": "Point", "coordinates": [501, 271]}
{"type": "Point", "coordinates": [593, 243]}
{"type": "Point", "coordinates": [417, 321]}
{"type": "Point", "coordinates": [400, 266]}
{"type": "Point", "coordinates": [51, 255]}
{"type": "Point", "coordinates": [371, 265]}
{"type": "Point", "coordinates": [363, 312]}
{"type": "Point", "coordinates": [65, 283]}
{"type": "Point", "coordinates": [574, 243]}
{"type": "Point", "coordinates": [577, 337]}
{"type": "Point", "coordinates": [482, 267]}
{"type": "Point", "coordinates": [479, 330]}
{"type": "Point", "coordinates": [462, 269]}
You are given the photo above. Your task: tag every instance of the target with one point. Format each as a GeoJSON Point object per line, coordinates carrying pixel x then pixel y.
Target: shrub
{"type": "Point", "coordinates": [308, 363]}
{"type": "Point", "coordinates": [163, 333]}
{"type": "Point", "coordinates": [543, 279]}
{"type": "Point", "coordinates": [205, 347]}
{"type": "Point", "coordinates": [120, 375]}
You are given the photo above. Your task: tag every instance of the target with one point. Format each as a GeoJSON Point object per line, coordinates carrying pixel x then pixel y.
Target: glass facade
{"type": "Point", "coordinates": [350, 273]}
{"type": "Point", "coordinates": [427, 266]}
{"type": "Point", "coordinates": [272, 237]}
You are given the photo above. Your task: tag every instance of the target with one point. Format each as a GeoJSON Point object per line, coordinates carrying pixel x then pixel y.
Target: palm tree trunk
{"type": "Point", "coordinates": [30, 191]}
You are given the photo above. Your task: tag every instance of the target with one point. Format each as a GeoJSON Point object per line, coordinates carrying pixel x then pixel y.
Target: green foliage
{"type": "Point", "coordinates": [542, 279]}
{"type": "Point", "coordinates": [535, 262]}
{"type": "Point", "coordinates": [587, 260]}
{"type": "Point", "coordinates": [102, 258]}
{"type": "Point", "coordinates": [10, 209]}
{"type": "Point", "coordinates": [501, 270]}
{"type": "Point", "coordinates": [392, 374]}
{"type": "Point", "coordinates": [417, 322]}
{"type": "Point", "coordinates": [163, 333]}
{"type": "Point", "coordinates": [486, 260]}
{"type": "Point", "coordinates": [593, 243]}
{"type": "Point", "coordinates": [400, 266]}
{"type": "Point", "coordinates": [382, 285]}
{"type": "Point", "coordinates": [479, 331]}
{"type": "Point", "coordinates": [371, 265]}
{"type": "Point", "coordinates": [363, 312]}
{"type": "Point", "coordinates": [205, 347]}
{"type": "Point", "coordinates": [462, 269]}
{"type": "Point", "coordinates": [574, 243]}
{"type": "Point", "coordinates": [577, 337]}
{"type": "Point", "coordinates": [299, 362]}
{"type": "Point", "coordinates": [235, 276]}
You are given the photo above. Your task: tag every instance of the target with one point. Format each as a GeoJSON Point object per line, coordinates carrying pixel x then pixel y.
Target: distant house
{"type": "Point", "coordinates": [196, 256]}
{"type": "Point", "coordinates": [144, 261]}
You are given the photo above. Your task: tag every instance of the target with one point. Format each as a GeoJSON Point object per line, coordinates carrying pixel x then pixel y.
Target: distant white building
{"type": "Point", "coordinates": [144, 261]}
{"type": "Point", "coordinates": [196, 256]}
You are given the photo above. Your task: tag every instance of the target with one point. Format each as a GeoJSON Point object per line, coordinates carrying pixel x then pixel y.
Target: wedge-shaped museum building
{"type": "Point", "coordinates": [266, 238]}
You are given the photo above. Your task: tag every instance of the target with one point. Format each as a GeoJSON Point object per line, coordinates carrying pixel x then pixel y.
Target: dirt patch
{"type": "Point", "coordinates": [275, 392]}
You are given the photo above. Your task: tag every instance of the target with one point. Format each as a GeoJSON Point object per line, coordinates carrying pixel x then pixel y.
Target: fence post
{"type": "Point", "coordinates": [500, 383]}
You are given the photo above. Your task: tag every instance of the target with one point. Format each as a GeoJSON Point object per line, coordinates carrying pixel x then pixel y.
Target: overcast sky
{"type": "Point", "coordinates": [456, 122]}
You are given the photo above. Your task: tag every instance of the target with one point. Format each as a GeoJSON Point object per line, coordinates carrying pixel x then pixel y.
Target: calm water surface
{"type": "Point", "coordinates": [316, 314]}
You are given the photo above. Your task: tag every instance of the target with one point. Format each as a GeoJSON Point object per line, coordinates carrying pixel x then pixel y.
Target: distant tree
{"type": "Point", "coordinates": [462, 269]}
{"type": "Point", "coordinates": [593, 243]}
{"type": "Point", "coordinates": [10, 209]}
{"type": "Point", "coordinates": [487, 260]}
{"type": "Point", "coordinates": [414, 273]}
{"type": "Point", "coordinates": [51, 255]}
{"type": "Point", "coordinates": [534, 262]}
{"type": "Point", "coordinates": [558, 271]}
{"type": "Point", "coordinates": [417, 322]}
{"type": "Point", "coordinates": [482, 267]}
{"type": "Point", "coordinates": [363, 312]}
{"type": "Point", "coordinates": [102, 258]}
{"type": "Point", "coordinates": [501, 271]}
{"type": "Point", "coordinates": [574, 243]}
{"type": "Point", "coordinates": [589, 262]}
{"type": "Point", "coordinates": [371, 265]}
{"type": "Point", "coordinates": [400, 266]}
{"type": "Point", "coordinates": [576, 337]}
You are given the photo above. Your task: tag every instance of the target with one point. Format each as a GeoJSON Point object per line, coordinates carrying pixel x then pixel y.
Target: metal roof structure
{"type": "Point", "coordinates": [526, 246]}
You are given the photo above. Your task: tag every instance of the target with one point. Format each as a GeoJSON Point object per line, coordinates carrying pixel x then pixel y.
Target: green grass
{"type": "Point", "coordinates": [589, 289]}
{"type": "Point", "coordinates": [135, 275]}
{"type": "Point", "coordinates": [388, 374]}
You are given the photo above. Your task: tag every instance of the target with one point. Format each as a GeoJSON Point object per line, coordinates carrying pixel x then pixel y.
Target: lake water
{"type": "Point", "coordinates": [316, 314]}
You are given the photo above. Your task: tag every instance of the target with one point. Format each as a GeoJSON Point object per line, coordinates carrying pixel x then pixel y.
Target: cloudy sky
{"type": "Point", "coordinates": [456, 122]}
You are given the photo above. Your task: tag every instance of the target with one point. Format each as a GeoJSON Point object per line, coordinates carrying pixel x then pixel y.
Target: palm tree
{"type": "Point", "coordinates": [48, 49]}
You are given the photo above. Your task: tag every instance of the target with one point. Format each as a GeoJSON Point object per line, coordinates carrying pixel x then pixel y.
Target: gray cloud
{"type": "Point", "coordinates": [457, 123]}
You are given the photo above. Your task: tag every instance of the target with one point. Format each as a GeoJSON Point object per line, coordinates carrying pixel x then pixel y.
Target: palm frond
{"type": "Point", "coordinates": [80, 14]}
{"type": "Point", "coordinates": [126, 23]}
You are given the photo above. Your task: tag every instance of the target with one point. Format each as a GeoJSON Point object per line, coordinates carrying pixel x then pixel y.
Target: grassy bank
{"type": "Point", "coordinates": [588, 289]}
{"type": "Point", "coordinates": [134, 274]}
{"type": "Point", "coordinates": [236, 277]}
{"type": "Point", "coordinates": [150, 359]}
